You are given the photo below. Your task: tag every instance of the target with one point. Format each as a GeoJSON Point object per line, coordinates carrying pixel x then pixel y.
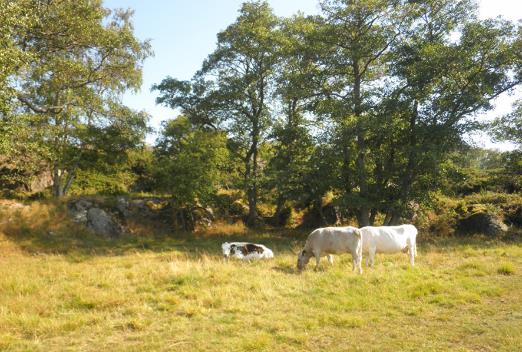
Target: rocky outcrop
{"type": "Point", "coordinates": [40, 182]}
{"type": "Point", "coordinates": [90, 214]}
{"type": "Point", "coordinates": [102, 223]}
{"type": "Point", "coordinates": [482, 222]}
{"type": "Point", "coordinates": [78, 210]}
{"type": "Point", "coordinates": [24, 174]}
{"type": "Point", "coordinates": [110, 217]}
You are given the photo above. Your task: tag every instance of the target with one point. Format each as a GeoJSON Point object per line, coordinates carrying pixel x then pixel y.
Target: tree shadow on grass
{"type": "Point", "coordinates": [477, 241]}
{"type": "Point", "coordinates": [54, 234]}
{"type": "Point", "coordinates": [79, 244]}
{"type": "Point", "coordinates": [286, 269]}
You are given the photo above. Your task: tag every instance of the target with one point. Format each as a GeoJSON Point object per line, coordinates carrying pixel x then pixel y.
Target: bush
{"type": "Point", "coordinates": [229, 204]}
{"type": "Point", "coordinates": [448, 214]}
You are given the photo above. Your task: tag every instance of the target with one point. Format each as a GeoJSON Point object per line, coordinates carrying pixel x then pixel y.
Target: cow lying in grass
{"type": "Point", "coordinates": [246, 251]}
{"type": "Point", "coordinates": [389, 239]}
{"type": "Point", "coordinates": [332, 240]}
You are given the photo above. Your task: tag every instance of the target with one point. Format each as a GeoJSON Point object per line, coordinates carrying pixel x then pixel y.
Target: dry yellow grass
{"type": "Point", "coordinates": [74, 292]}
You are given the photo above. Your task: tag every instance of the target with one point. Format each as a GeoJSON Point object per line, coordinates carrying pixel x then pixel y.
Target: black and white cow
{"type": "Point", "coordinates": [246, 251]}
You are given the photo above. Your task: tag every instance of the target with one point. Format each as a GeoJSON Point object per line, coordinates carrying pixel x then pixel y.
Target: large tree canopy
{"type": "Point", "coordinates": [78, 58]}
{"type": "Point", "coordinates": [373, 93]}
{"type": "Point", "coordinates": [233, 89]}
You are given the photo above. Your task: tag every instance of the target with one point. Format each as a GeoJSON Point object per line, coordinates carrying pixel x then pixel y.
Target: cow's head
{"type": "Point", "coordinates": [226, 249]}
{"type": "Point", "coordinates": [303, 258]}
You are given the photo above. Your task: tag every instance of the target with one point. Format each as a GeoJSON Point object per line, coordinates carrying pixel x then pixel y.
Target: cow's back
{"type": "Point", "coordinates": [332, 239]}
{"type": "Point", "coordinates": [387, 239]}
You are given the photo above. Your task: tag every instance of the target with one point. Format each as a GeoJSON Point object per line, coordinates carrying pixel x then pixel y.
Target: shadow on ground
{"type": "Point", "coordinates": [81, 244]}
{"type": "Point", "coordinates": [74, 241]}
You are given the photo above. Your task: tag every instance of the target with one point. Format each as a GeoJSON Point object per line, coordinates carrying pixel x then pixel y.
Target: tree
{"type": "Point", "coordinates": [15, 20]}
{"type": "Point", "coordinates": [83, 57]}
{"type": "Point", "coordinates": [233, 88]}
{"type": "Point", "coordinates": [442, 84]}
{"type": "Point", "coordinates": [189, 163]}
{"type": "Point", "coordinates": [358, 36]}
{"type": "Point", "coordinates": [292, 141]}
{"type": "Point", "coordinates": [400, 89]}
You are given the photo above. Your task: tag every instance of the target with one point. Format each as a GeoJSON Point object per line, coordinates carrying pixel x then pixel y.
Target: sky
{"type": "Point", "coordinates": [183, 33]}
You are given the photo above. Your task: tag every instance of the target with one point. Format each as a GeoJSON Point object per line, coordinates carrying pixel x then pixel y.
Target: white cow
{"type": "Point", "coordinates": [389, 239]}
{"type": "Point", "coordinates": [332, 240]}
{"type": "Point", "coordinates": [246, 251]}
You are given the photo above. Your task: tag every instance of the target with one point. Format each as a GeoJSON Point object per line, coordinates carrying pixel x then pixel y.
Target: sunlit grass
{"type": "Point", "coordinates": [506, 269]}
{"type": "Point", "coordinates": [178, 293]}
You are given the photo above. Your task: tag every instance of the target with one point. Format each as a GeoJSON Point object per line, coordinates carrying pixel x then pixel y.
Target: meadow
{"type": "Point", "coordinates": [75, 292]}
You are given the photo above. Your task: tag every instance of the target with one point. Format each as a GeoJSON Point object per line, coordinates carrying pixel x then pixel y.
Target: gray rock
{"type": "Point", "coordinates": [79, 217]}
{"type": "Point", "coordinates": [78, 210]}
{"type": "Point", "coordinates": [102, 223]}
{"type": "Point", "coordinates": [122, 205]}
{"type": "Point", "coordinates": [482, 222]}
{"type": "Point", "coordinates": [81, 205]}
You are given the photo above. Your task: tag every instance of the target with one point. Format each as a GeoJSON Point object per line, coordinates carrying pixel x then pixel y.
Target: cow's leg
{"type": "Point", "coordinates": [330, 259]}
{"type": "Point", "coordinates": [371, 255]}
{"type": "Point", "coordinates": [412, 255]}
{"type": "Point", "coordinates": [317, 259]}
{"type": "Point", "coordinates": [357, 260]}
{"type": "Point", "coordinates": [411, 252]}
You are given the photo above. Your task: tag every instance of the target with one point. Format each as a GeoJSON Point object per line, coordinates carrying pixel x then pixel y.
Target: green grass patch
{"type": "Point", "coordinates": [178, 293]}
{"type": "Point", "coordinates": [506, 269]}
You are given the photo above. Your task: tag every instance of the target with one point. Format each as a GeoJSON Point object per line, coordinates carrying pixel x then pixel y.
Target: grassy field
{"type": "Point", "coordinates": [73, 292]}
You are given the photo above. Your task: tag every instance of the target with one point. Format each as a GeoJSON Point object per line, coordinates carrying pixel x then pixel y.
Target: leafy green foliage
{"type": "Point", "coordinates": [81, 58]}
{"type": "Point", "coordinates": [367, 104]}
{"type": "Point", "coordinates": [509, 127]}
{"type": "Point", "coordinates": [189, 161]}
{"type": "Point", "coordinates": [232, 90]}
{"type": "Point", "coordinates": [15, 20]}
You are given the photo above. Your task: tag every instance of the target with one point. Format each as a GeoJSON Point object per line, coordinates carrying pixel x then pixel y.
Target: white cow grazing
{"type": "Point", "coordinates": [246, 251]}
{"type": "Point", "coordinates": [389, 239]}
{"type": "Point", "coordinates": [332, 240]}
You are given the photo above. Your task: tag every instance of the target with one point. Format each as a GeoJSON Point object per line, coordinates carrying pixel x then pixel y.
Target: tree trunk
{"type": "Point", "coordinates": [57, 182]}
{"type": "Point", "coordinates": [319, 206]}
{"type": "Point", "coordinates": [70, 177]}
{"type": "Point", "coordinates": [251, 178]}
{"type": "Point", "coordinates": [252, 208]}
{"type": "Point", "coordinates": [395, 218]}
{"type": "Point", "coordinates": [363, 216]}
{"type": "Point", "coordinates": [373, 214]}
{"type": "Point", "coordinates": [60, 188]}
{"type": "Point", "coordinates": [408, 175]}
